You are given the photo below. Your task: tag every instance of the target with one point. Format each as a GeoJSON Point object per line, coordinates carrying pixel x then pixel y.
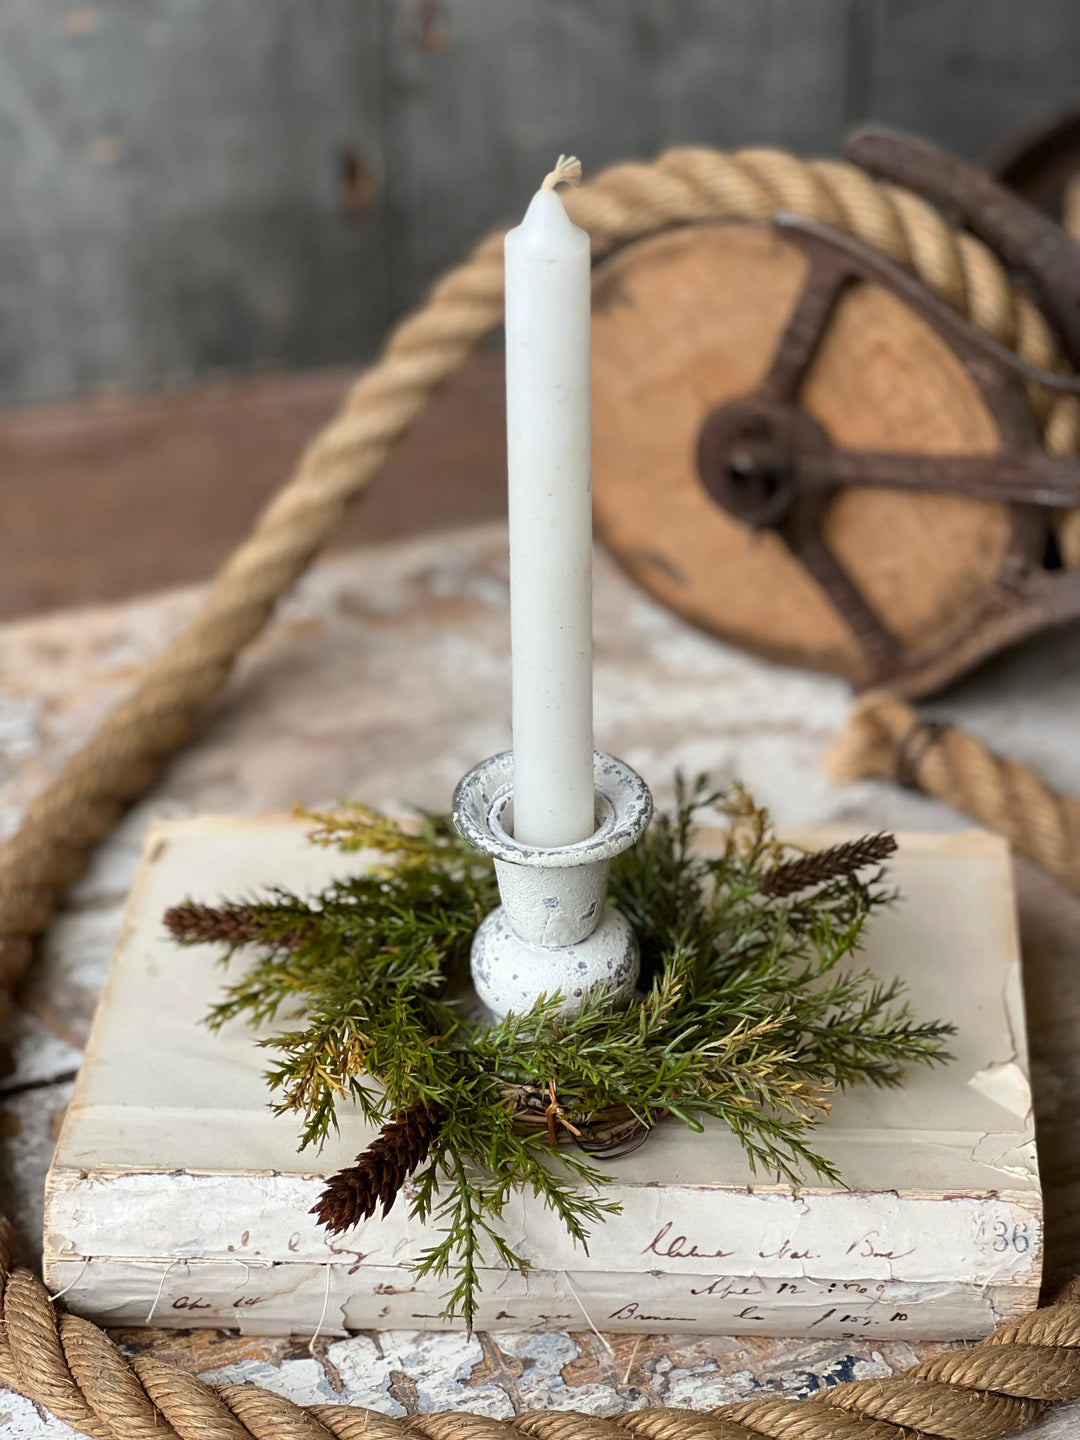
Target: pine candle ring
{"type": "Point", "coordinates": [553, 931]}
{"type": "Point", "coordinates": [747, 1013]}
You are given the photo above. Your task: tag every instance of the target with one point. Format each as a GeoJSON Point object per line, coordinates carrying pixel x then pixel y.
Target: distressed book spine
{"type": "Point", "coordinates": [680, 1257]}
{"type": "Point", "coordinates": [342, 1297]}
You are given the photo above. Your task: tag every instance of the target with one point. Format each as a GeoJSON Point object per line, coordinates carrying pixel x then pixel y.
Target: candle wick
{"type": "Point", "coordinates": [567, 172]}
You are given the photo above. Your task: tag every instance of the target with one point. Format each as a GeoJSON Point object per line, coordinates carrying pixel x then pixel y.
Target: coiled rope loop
{"type": "Point", "coordinates": [68, 1365]}
{"type": "Point", "coordinates": [885, 738]}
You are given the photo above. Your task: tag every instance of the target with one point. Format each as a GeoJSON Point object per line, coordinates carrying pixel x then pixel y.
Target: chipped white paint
{"type": "Point", "coordinates": [510, 974]}
{"type": "Point", "coordinates": [552, 932]}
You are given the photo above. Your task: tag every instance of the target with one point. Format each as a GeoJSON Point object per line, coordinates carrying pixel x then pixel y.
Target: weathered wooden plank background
{"type": "Point", "coordinates": [191, 185]}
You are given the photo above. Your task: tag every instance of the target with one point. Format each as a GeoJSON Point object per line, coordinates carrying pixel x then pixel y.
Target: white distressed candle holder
{"type": "Point", "coordinates": [553, 931]}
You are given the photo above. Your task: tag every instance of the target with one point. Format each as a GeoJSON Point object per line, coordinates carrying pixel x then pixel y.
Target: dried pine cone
{"type": "Point", "coordinates": [234, 925]}
{"type": "Point", "coordinates": [831, 864]}
{"type": "Point", "coordinates": [205, 925]}
{"type": "Point", "coordinates": [401, 1147]}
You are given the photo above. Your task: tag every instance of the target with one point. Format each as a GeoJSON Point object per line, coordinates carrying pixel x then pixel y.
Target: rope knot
{"type": "Point", "coordinates": [913, 749]}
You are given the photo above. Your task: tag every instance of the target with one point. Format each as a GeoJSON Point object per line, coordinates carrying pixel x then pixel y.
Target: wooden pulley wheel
{"type": "Point", "coordinates": [897, 582]}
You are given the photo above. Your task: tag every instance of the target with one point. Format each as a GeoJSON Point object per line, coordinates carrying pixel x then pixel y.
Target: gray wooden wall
{"type": "Point", "coordinates": [198, 185]}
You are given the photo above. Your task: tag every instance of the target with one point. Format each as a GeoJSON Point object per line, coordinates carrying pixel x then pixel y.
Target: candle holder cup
{"type": "Point", "coordinates": [553, 931]}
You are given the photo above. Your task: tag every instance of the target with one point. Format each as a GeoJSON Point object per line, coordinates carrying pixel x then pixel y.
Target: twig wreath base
{"type": "Point", "coordinates": [751, 1013]}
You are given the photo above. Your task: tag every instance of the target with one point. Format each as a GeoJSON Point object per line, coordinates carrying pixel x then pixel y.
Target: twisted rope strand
{"type": "Point", "coordinates": [70, 1366]}
{"type": "Point", "coordinates": [883, 738]}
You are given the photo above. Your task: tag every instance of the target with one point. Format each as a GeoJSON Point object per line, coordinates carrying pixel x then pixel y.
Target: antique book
{"type": "Point", "coordinates": [177, 1198]}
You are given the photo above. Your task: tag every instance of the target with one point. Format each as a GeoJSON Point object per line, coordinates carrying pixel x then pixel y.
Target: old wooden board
{"type": "Point", "coordinates": [174, 184]}
{"type": "Point", "coordinates": [969, 70]}
{"type": "Point", "coordinates": [198, 187]}
{"type": "Point", "coordinates": [369, 683]}
{"type": "Point", "coordinates": [608, 81]}
{"type": "Point", "coordinates": [118, 495]}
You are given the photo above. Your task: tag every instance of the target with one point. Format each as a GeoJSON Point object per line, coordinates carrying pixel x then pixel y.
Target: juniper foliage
{"type": "Point", "coordinates": [754, 1014]}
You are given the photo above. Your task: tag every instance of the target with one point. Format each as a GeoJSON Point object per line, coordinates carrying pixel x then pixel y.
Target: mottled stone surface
{"type": "Point", "coordinates": [386, 676]}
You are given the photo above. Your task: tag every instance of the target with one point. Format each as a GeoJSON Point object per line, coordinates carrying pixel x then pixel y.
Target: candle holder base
{"type": "Point", "coordinates": [553, 931]}
{"type": "Point", "coordinates": [511, 974]}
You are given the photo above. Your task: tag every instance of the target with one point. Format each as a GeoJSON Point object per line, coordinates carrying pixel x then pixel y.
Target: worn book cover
{"type": "Point", "coordinates": [177, 1198]}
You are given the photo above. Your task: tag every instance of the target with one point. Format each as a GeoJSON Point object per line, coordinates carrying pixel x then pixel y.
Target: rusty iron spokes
{"type": "Point", "coordinates": [769, 464]}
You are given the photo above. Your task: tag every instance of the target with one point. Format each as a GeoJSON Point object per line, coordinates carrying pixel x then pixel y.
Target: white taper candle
{"type": "Point", "coordinates": [550, 502]}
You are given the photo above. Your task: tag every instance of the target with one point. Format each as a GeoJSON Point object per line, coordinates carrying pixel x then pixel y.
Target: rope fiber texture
{"type": "Point", "coordinates": [884, 738]}
{"type": "Point", "coordinates": [68, 1365]}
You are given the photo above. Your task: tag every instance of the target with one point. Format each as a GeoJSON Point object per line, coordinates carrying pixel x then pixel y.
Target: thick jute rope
{"type": "Point", "coordinates": [885, 738]}
{"type": "Point", "coordinates": [992, 1390]}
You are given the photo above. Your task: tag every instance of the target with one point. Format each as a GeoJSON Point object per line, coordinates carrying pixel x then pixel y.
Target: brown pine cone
{"type": "Point", "coordinates": [400, 1148]}
{"type": "Point", "coordinates": [205, 925]}
{"type": "Point", "coordinates": [233, 925]}
{"type": "Point", "coordinates": [830, 864]}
